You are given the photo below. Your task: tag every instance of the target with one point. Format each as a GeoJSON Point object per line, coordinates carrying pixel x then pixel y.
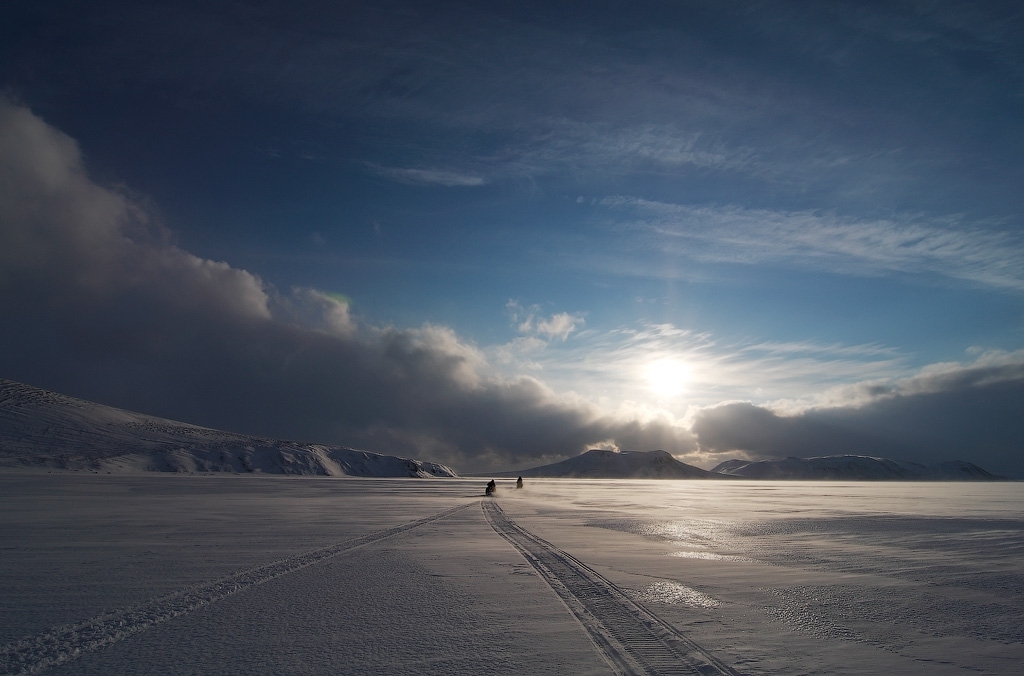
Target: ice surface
{"type": "Point", "coordinates": [348, 576]}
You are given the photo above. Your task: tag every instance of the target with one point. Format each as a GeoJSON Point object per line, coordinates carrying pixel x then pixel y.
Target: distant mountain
{"type": "Point", "coordinates": [601, 464]}
{"type": "Point", "coordinates": [854, 468]}
{"type": "Point", "coordinates": [44, 429]}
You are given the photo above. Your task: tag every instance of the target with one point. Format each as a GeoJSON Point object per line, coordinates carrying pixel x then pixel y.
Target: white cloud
{"type": "Point", "coordinates": [614, 366]}
{"type": "Point", "coordinates": [557, 326]}
{"type": "Point", "coordinates": [952, 246]}
{"type": "Point", "coordinates": [442, 177]}
{"type": "Point", "coordinates": [632, 146]}
{"type": "Point", "coordinates": [315, 309]}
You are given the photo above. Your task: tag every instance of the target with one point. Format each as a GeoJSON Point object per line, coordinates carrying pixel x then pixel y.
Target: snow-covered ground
{"type": "Point", "coordinates": [170, 574]}
{"type": "Point", "coordinates": [41, 429]}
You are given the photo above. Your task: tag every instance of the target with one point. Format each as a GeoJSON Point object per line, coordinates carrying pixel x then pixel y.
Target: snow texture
{"type": "Point", "coordinates": [44, 429]}
{"type": "Point", "coordinates": [216, 574]}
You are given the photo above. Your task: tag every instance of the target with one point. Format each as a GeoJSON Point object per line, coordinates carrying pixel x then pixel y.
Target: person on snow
{"type": "Point", "coordinates": [519, 482]}
{"type": "Point", "coordinates": [491, 487]}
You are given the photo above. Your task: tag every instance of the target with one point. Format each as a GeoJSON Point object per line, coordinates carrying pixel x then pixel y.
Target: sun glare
{"type": "Point", "coordinates": [667, 377]}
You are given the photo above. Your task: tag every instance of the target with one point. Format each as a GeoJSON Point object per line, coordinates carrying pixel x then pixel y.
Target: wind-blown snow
{"type": "Point", "coordinates": [43, 429]}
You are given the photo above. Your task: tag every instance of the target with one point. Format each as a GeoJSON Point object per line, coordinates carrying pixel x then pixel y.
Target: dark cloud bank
{"type": "Point", "coordinates": [967, 413]}
{"type": "Point", "coordinates": [98, 302]}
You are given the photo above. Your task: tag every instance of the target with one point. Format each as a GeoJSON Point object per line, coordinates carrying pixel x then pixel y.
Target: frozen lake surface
{"type": "Point", "coordinates": [224, 575]}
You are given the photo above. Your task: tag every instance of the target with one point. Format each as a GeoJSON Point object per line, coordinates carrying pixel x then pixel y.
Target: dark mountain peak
{"type": "Point", "coordinates": [600, 463]}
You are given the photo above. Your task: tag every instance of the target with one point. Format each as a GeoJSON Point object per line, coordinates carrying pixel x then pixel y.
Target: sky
{"type": "Point", "coordinates": [495, 236]}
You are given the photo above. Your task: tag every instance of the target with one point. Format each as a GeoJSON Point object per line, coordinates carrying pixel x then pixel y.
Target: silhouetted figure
{"type": "Point", "coordinates": [519, 482]}
{"type": "Point", "coordinates": [491, 487]}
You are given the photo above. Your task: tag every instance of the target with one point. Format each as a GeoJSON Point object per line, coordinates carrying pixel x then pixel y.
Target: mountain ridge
{"type": "Point", "coordinates": [606, 464]}
{"type": "Point", "coordinates": [42, 429]}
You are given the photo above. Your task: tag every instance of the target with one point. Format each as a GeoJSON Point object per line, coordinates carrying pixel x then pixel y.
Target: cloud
{"type": "Point", "coordinates": [821, 104]}
{"type": "Point", "coordinates": [553, 94]}
{"type": "Point", "coordinates": [945, 412]}
{"type": "Point", "coordinates": [615, 366]}
{"type": "Point", "coordinates": [99, 303]}
{"type": "Point", "coordinates": [66, 241]}
{"type": "Point", "coordinates": [622, 146]}
{"type": "Point", "coordinates": [442, 177]}
{"type": "Point", "coordinates": [951, 246]}
{"type": "Point", "coordinates": [558, 326]}
{"type": "Point", "coordinates": [315, 309]}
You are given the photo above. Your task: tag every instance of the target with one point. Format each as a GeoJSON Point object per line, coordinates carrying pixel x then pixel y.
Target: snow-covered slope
{"type": "Point", "coordinates": [854, 467]}
{"type": "Point", "coordinates": [601, 464]}
{"type": "Point", "coordinates": [44, 429]}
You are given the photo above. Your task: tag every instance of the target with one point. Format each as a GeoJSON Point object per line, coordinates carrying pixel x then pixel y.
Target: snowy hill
{"type": "Point", "coordinates": [44, 429]}
{"type": "Point", "coordinates": [601, 464]}
{"type": "Point", "coordinates": [854, 468]}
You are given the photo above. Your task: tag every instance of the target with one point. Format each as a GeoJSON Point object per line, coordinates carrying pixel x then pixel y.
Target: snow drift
{"type": "Point", "coordinates": [43, 429]}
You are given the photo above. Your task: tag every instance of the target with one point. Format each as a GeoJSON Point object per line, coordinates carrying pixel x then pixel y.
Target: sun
{"type": "Point", "coordinates": [667, 378]}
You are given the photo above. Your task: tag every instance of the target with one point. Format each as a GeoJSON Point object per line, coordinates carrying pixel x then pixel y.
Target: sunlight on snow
{"type": "Point", "coordinates": [711, 556]}
{"type": "Point", "coordinates": [675, 593]}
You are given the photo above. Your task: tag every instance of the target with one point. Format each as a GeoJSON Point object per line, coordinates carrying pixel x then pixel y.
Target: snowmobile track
{"type": "Point", "coordinates": [632, 639]}
{"type": "Point", "coordinates": [62, 644]}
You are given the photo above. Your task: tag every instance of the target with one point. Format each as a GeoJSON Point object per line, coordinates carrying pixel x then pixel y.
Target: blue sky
{"type": "Point", "coordinates": [495, 236]}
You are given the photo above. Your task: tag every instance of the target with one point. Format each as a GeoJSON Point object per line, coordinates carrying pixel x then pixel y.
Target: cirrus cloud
{"type": "Point", "coordinates": [951, 246]}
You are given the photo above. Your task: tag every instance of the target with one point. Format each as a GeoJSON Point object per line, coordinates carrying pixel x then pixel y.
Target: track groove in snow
{"type": "Point", "coordinates": [36, 653]}
{"type": "Point", "coordinates": [631, 638]}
